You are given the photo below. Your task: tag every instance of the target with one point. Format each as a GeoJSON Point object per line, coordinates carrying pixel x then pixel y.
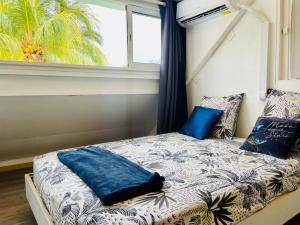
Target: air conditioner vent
{"type": "Point", "coordinates": [211, 12]}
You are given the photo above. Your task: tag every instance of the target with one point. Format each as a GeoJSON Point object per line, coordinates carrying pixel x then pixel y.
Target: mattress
{"type": "Point", "coordinates": [207, 182]}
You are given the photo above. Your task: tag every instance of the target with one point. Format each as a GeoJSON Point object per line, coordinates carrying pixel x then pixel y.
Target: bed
{"type": "Point", "coordinates": [207, 182]}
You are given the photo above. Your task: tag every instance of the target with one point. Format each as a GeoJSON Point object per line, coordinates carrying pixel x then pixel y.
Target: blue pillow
{"type": "Point", "coordinates": [273, 136]}
{"type": "Point", "coordinates": [201, 122]}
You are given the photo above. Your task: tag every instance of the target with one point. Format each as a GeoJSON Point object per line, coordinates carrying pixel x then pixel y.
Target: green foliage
{"type": "Point", "coordinates": [10, 48]}
{"type": "Point", "coordinates": [54, 31]}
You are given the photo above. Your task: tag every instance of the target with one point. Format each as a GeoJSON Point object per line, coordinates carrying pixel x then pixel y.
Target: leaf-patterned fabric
{"type": "Point", "coordinates": [231, 105]}
{"type": "Point", "coordinates": [207, 182]}
{"type": "Point", "coordinates": [283, 104]}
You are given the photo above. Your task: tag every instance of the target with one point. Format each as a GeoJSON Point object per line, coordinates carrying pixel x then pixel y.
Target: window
{"type": "Point", "coordinates": [144, 42]}
{"type": "Point", "coordinates": [82, 32]}
{"type": "Point", "coordinates": [111, 24]}
{"type": "Point", "coordinates": [146, 39]}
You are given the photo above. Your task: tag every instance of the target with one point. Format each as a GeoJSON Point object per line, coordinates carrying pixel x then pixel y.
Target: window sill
{"type": "Point", "coordinates": [20, 79]}
{"type": "Point", "coordinates": [59, 70]}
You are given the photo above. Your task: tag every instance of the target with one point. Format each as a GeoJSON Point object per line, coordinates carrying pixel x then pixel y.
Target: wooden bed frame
{"type": "Point", "coordinates": [277, 212]}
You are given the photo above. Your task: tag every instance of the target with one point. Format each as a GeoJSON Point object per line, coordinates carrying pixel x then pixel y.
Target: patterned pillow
{"type": "Point", "coordinates": [273, 136]}
{"type": "Point", "coordinates": [283, 104]}
{"type": "Point", "coordinates": [226, 127]}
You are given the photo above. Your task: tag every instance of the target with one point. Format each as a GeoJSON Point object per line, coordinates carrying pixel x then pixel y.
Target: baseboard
{"type": "Point", "coordinates": [15, 164]}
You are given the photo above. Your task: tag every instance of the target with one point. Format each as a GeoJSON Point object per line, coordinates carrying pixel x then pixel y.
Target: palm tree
{"type": "Point", "coordinates": [55, 31]}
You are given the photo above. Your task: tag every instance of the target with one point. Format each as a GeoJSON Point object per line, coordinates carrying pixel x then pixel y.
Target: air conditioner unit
{"type": "Point", "coordinates": [190, 12]}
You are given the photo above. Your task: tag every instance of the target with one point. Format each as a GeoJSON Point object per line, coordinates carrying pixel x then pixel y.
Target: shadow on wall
{"type": "Point", "coordinates": [36, 125]}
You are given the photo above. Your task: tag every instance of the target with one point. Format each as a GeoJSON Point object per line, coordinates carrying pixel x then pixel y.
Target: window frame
{"type": "Point", "coordinates": [130, 10]}
{"type": "Point", "coordinates": [131, 6]}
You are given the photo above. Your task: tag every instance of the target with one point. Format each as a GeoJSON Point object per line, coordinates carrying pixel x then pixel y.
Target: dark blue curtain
{"type": "Point", "coordinates": [172, 103]}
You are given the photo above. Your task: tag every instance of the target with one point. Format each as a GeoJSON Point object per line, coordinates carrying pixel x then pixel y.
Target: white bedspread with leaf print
{"type": "Point", "coordinates": [207, 182]}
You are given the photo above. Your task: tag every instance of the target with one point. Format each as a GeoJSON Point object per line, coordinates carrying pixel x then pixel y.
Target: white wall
{"type": "Point", "coordinates": [35, 125]}
{"type": "Point", "coordinates": [42, 112]}
{"type": "Point", "coordinates": [235, 66]}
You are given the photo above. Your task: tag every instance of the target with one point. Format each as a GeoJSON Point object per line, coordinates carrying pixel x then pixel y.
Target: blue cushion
{"type": "Point", "coordinates": [273, 136]}
{"type": "Point", "coordinates": [201, 122]}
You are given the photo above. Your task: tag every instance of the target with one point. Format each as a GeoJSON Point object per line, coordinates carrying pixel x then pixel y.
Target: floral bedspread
{"type": "Point", "coordinates": [207, 182]}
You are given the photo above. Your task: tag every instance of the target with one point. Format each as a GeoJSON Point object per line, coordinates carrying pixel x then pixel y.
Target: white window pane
{"type": "Point", "coordinates": [146, 31]}
{"type": "Point", "coordinates": [113, 29]}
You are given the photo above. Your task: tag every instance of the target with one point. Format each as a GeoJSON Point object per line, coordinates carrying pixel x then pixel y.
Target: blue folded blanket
{"type": "Point", "coordinates": [112, 177]}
